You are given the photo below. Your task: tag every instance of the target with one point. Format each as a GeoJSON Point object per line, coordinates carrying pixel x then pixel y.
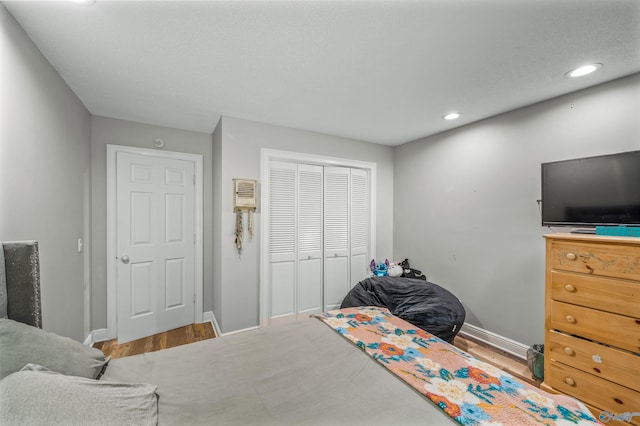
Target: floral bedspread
{"type": "Point", "coordinates": [470, 391]}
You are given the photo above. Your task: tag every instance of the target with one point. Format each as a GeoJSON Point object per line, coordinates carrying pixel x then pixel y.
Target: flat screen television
{"type": "Point", "coordinates": [603, 190]}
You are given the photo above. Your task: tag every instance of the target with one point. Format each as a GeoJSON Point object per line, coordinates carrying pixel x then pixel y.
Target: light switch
{"type": "Point", "coordinates": [80, 245]}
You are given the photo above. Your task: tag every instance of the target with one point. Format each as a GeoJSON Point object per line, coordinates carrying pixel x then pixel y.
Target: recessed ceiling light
{"type": "Point", "coordinates": [451, 116]}
{"type": "Point", "coordinates": [583, 70]}
{"type": "Point", "coordinates": [85, 2]}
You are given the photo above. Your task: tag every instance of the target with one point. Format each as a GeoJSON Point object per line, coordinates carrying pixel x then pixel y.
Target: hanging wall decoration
{"type": "Point", "coordinates": [238, 232]}
{"type": "Point", "coordinates": [244, 198]}
{"type": "Point", "coordinates": [250, 223]}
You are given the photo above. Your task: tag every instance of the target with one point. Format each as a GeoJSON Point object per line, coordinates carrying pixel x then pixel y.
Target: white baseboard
{"type": "Point", "coordinates": [505, 344]}
{"type": "Point", "coordinates": [209, 316]}
{"type": "Point", "coordinates": [240, 331]}
{"type": "Point", "coordinates": [95, 336]}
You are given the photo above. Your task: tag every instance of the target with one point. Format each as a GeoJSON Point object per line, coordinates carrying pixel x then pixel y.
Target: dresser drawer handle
{"type": "Point", "coordinates": [568, 351]}
{"type": "Point", "coordinates": [570, 288]}
{"type": "Point", "coordinates": [569, 381]}
{"type": "Point", "coordinates": [571, 256]}
{"type": "Point", "coordinates": [570, 319]}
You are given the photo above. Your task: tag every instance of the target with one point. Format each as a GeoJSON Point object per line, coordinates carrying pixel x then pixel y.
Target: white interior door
{"type": "Point", "coordinates": [309, 238]}
{"type": "Point", "coordinates": [155, 234]}
{"type": "Point", "coordinates": [336, 236]}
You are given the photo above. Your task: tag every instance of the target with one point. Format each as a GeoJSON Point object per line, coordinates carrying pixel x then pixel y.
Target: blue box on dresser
{"type": "Point", "coordinates": [618, 231]}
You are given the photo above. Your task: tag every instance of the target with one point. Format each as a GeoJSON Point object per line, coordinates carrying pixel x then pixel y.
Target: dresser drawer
{"type": "Point", "coordinates": [606, 294]}
{"type": "Point", "coordinates": [604, 259]}
{"type": "Point", "coordinates": [601, 393]}
{"type": "Point", "coordinates": [605, 327]}
{"type": "Point", "coordinates": [612, 364]}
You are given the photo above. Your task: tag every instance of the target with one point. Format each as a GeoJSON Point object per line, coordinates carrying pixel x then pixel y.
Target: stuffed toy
{"type": "Point", "coordinates": [380, 269]}
{"type": "Point", "coordinates": [395, 270]}
{"type": "Point", "coordinates": [409, 272]}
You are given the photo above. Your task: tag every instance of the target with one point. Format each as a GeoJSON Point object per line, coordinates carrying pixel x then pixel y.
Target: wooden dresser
{"type": "Point", "coordinates": [592, 321]}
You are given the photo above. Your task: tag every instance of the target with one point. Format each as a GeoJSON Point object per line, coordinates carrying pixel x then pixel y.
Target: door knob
{"type": "Point", "coordinates": [124, 258]}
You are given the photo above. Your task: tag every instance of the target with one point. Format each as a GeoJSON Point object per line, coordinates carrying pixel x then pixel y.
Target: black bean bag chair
{"type": "Point", "coordinates": [422, 303]}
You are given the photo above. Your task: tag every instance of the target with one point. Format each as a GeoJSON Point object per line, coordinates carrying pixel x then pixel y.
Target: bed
{"type": "Point", "coordinates": [301, 373]}
{"type": "Point", "coordinates": [352, 366]}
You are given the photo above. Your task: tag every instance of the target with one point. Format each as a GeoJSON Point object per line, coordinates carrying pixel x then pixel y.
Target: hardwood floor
{"type": "Point", "coordinates": [500, 359]}
{"type": "Point", "coordinates": [168, 339]}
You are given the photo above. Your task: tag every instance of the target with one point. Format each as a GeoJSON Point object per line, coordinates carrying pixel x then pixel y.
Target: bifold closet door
{"type": "Point", "coordinates": [319, 224]}
{"type": "Point", "coordinates": [336, 236]}
{"type": "Point", "coordinates": [360, 223]}
{"type": "Point", "coordinates": [309, 240]}
{"type": "Point", "coordinates": [282, 239]}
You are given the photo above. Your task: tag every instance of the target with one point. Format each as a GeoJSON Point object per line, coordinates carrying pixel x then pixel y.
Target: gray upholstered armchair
{"type": "Point", "coordinates": [20, 282]}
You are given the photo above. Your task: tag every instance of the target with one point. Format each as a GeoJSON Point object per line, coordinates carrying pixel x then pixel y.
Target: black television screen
{"type": "Point", "coordinates": [603, 190]}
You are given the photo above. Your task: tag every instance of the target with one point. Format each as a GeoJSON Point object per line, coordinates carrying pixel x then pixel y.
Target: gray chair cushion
{"type": "Point", "coordinates": [21, 344]}
{"type": "Point", "coordinates": [47, 398]}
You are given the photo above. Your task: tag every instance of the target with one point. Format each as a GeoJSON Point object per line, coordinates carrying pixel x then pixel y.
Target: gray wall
{"type": "Point", "coordinates": [241, 141]}
{"type": "Point", "coordinates": [465, 200]}
{"type": "Point", "coordinates": [106, 131]}
{"type": "Point", "coordinates": [45, 156]}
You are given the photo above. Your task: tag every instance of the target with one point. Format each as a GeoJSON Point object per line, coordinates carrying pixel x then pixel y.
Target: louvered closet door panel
{"type": "Point", "coordinates": [336, 235]}
{"type": "Point", "coordinates": [282, 238]}
{"type": "Point", "coordinates": [310, 216]}
{"type": "Point", "coordinates": [360, 220]}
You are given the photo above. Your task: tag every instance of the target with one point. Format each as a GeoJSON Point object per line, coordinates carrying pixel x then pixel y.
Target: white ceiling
{"type": "Point", "coordinates": [379, 71]}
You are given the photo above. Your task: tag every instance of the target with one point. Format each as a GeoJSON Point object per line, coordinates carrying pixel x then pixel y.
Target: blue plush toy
{"type": "Point", "coordinates": [381, 269]}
